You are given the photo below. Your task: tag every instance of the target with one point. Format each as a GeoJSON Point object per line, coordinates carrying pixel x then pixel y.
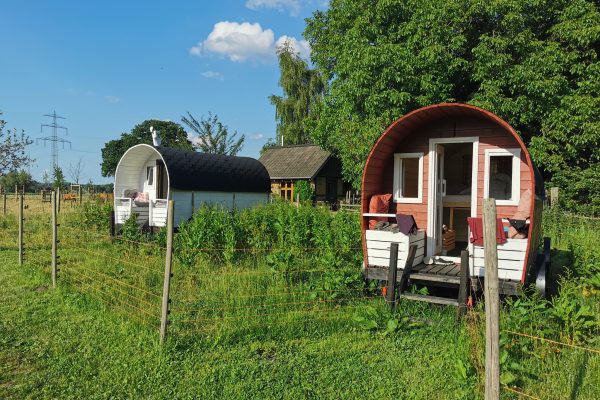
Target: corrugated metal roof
{"type": "Point", "coordinates": [294, 162]}
{"type": "Point", "coordinates": [189, 170]}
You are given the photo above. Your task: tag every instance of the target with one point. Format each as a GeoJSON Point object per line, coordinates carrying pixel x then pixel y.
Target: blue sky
{"type": "Point", "coordinates": [109, 65]}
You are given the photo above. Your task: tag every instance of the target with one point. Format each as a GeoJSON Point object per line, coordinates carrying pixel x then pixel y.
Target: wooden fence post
{"type": "Point", "coordinates": [58, 199]}
{"type": "Point", "coordinates": [54, 237]}
{"type": "Point", "coordinates": [553, 196]}
{"type": "Point", "coordinates": [21, 220]}
{"type": "Point", "coordinates": [392, 274]}
{"type": "Point", "coordinates": [164, 317]}
{"type": "Point", "coordinates": [463, 289]}
{"type": "Point", "coordinates": [492, 302]}
{"type": "Point", "coordinates": [79, 194]}
{"type": "Point", "coordinates": [16, 193]}
{"type": "Point", "coordinates": [4, 201]}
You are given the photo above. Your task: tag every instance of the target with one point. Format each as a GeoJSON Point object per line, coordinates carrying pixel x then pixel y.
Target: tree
{"type": "Point", "coordinates": [20, 178]}
{"type": "Point", "coordinates": [171, 134]}
{"type": "Point", "coordinates": [535, 64]}
{"type": "Point", "coordinates": [302, 89]}
{"type": "Point", "coordinates": [12, 149]}
{"type": "Point", "coordinates": [75, 170]}
{"type": "Point", "coordinates": [58, 177]}
{"type": "Point", "coordinates": [213, 137]}
{"type": "Point", "coordinates": [45, 178]}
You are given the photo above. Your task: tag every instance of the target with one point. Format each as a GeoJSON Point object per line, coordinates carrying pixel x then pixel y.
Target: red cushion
{"type": "Point", "coordinates": [379, 204]}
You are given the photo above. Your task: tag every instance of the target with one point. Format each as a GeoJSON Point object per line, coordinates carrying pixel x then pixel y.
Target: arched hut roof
{"type": "Point", "coordinates": [408, 124]}
{"type": "Point", "coordinates": [190, 170]}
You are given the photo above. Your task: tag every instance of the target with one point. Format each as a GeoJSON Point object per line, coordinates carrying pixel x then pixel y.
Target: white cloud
{"type": "Point", "coordinates": [212, 75]}
{"type": "Point", "coordinates": [301, 47]}
{"type": "Point", "coordinates": [257, 136]}
{"type": "Point", "coordinates": [291, 6]}
{"type": "Point", "coordinates": [239, 42]}
{"type": "Point", "coordinates": [245, 42]}
{"type": "Point", "coordinates": [112, 99]}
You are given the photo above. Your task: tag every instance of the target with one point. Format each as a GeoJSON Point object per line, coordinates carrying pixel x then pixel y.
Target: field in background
{"type": "Point", "coordinates": [289, 320]}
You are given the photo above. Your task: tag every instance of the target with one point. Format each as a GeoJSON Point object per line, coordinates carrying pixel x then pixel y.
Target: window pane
{"type": "Point", "coordinates": [150, 175]}
{"type": "Point", "coordinates": [410, 177]}
{"type": "Point", "coordinates": [501, 177]}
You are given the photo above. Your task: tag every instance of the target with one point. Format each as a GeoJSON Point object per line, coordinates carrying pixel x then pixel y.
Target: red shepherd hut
{"type": "Point", "coordinates": [435, 165]}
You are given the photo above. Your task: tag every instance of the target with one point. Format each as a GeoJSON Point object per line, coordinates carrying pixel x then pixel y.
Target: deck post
{"type": "Point", "coordinates": [167, 280]}
{"type": "Point", "coordinates": [111, 223]}
{"type": "Point", "coordinates": [405, 274]}
{"type": "Point", "coordinates": [21, 228]}
{"type": "Point", "coordinates": [492, 302]}
{"type": "Point", "coordinates": [463, 289]}
{"type": "Point", "coordinates": [54, 237]}
{"type": "Point", "coordinates": [392, 273]}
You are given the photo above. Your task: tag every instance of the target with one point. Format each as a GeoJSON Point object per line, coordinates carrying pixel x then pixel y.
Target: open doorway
{"type": "Point", "coordinates": [453, 169]}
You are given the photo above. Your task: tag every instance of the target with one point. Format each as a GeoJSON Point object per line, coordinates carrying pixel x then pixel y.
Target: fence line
{"type": "Point", "coordinates": [111, 297]}
{"type": "Point", "coordinates": [74, 270]}
{"type": "Point", "coordinates": [316, 302]}
{"type": "Point", "coordinates": [119, 282]}
{"type": "Point", "coordinates": [552, 341]}
{"type": "Point", "coordinates": [119, 260]}
{"type": "Point", "coordinates": [281, 294]}
{"type": "Point", "coordinates": [292, 312]}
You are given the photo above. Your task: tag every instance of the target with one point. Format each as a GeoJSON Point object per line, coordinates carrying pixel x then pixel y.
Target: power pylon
{"type": "Point", "coordinates": [54, 139]}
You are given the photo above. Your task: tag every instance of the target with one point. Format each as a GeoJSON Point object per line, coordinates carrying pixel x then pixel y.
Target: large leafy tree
{"type": "Point", "coordinates": [302, 88]}
{"type": "Point", "coordinates": [12, 149]}
{"type": "Point", "coordinates": [533, 63]}
{"type": "Point", "coordinates": [171, 134]}
{"type": "Point", "coordinates": [212, 136]}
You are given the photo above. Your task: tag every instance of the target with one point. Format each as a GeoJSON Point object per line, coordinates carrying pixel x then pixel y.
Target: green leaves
{"type": "Point", "coordinates": [171, 134]}
{"type": "Point", "coordinates": [535, 64]}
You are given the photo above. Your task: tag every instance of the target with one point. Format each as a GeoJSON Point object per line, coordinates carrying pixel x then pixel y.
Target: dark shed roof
{"type": "Point", "coordinates": [294, 162]}
{"type": "Point", "coordinates": [189, 170]}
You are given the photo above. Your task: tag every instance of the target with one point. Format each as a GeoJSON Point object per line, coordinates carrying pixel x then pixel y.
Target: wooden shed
{"type": "Point", "coordinates": [306, 162]}
{"type": "Point", "coordinates": [437, 164]}
{"type": "Point", "coordinates": [148, 176]}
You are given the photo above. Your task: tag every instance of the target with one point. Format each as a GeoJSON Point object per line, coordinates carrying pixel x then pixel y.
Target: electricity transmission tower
{"type": "Point", "coordinates": [54, 139]}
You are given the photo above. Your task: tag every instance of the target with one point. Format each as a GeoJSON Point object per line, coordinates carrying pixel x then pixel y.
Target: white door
{"type": "Point", "coordinates": [440, 191]}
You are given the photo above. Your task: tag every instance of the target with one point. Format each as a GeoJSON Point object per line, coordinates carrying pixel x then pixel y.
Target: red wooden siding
{"type": "Point", "coordinates": [411, 134]}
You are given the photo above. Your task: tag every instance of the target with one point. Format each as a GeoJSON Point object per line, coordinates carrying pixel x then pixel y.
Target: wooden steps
{"type": "Point", "coordinates": [430, 299]}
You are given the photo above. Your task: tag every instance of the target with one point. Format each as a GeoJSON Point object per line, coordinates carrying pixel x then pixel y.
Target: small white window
{"type": "Point", "coordinates": [502, 179]}
{"type": "Point", "coordinates": [408, 177]}
{"type": "Point", "coordinates": [150, 175]}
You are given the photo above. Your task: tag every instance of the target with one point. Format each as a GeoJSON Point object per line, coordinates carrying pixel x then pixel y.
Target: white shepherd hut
{"type": "Point", "coordinates": [147, 177]}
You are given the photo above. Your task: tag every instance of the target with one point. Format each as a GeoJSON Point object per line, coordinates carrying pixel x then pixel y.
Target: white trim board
{"type": "Point", "coordinates": [397, 174]}
{"type": "Point", "coordinates": [432, 186]}
{"type": "Point", "coordinates": [516, 175]}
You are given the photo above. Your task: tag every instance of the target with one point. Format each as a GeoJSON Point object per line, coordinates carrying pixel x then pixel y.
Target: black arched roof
{"type": "Point", "coordinates": [189, 170]}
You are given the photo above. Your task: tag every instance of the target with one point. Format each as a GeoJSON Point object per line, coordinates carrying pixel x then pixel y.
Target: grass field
{"type": "Point", "coordinates": [265, 326]}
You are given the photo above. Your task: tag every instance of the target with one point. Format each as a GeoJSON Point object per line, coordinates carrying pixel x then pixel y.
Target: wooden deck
{"type": "Point", "coordinates": [439, 275]}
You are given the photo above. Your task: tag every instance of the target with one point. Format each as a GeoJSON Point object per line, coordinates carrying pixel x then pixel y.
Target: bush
{"type": "Point", "coordinates": [304, 190]}
{"type": "Point", "coordinates": [279, 229]}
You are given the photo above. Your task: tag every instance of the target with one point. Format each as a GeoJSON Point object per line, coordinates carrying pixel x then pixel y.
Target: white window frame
{"type": "Point", "coordinates": [516, 175]}
{"type": "Point", "coordinates": [398, 175]}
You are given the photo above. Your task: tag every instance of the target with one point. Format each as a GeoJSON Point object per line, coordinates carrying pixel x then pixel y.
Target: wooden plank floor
{"type": "Point", "coordinates": [440, 274]}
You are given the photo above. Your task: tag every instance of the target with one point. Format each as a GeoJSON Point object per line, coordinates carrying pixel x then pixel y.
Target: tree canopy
{"type": "Point", "coordinates": [12, 149]}
{"type": "Point", "coordinates": [535, 64]}
{"type": "Point", "coordinates": [302, 88]}
{"type": "Point", "coordinates": [212, 136]}
{"type": "Point", "coordinates": [171, 134]}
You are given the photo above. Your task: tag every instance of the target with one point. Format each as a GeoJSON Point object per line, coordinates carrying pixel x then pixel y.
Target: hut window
{"type": "Point", "coordinates": [502, 179]}
{"type": "Point", "coordinates": [150, 175]}
{"type": "Point", "coordinates": [408, 177]}
{"type": "Point", "coordinates": [287, 190]}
